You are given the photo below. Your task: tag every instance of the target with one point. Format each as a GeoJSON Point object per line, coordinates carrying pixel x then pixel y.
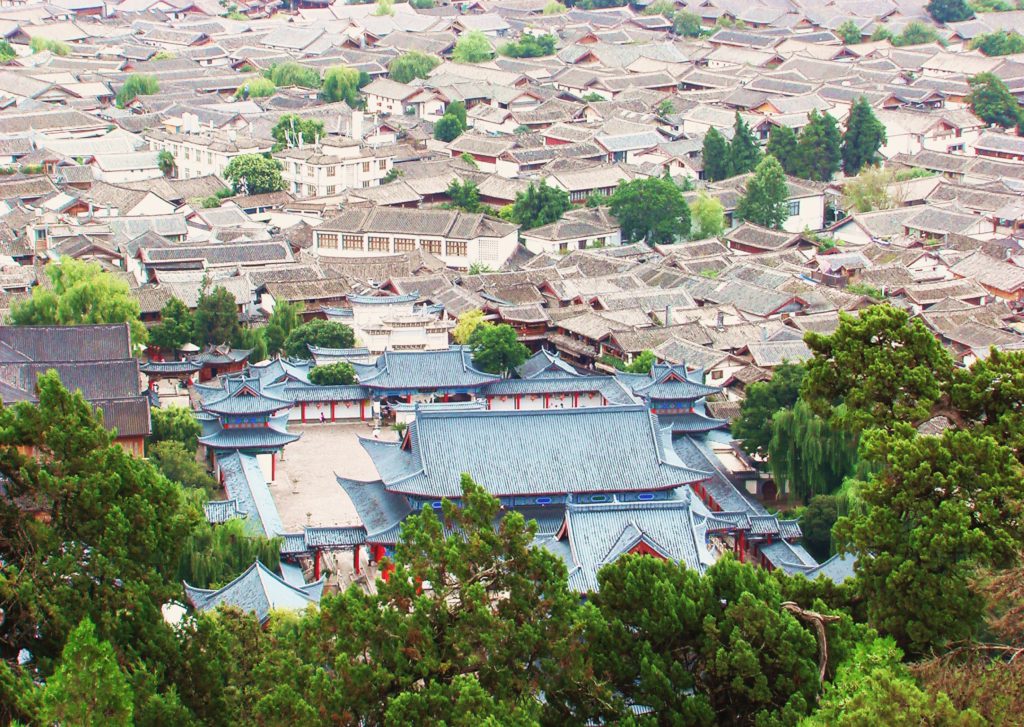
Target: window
{"type": "Point", "coordinates": [209, 157]}
{"type": "Point", "coordinates": [328, 240]}
{"type": "Point", "coordinates": [563, 247]}
{"type": "Point", "coordinates": [378, 244]}
{"type": "Point", "coordinates": [717, 374]}
{"type": "Point", "coordinates": [295, 167]}
{"type": "Point", "coordinates": [310, 190]}
{"type": "Point", "coordinates": [187, 150]}
{"type": "Point", "coordinates": [382, 164]}
{"type": "Point", "coordinates": [457, 248]}
{"type": "Point", "coordinates": [332, 171]}
{"type": "Point", "coordinates": [577, 196]}
{"type": "Point", "coordinates": [432, 246]}
{"type": "Point", "coordinates": [794, 207]}
{"type": "Point", "coordinates": [404, 244]}
{"type": "Point", "coordinates": [366, 166]}
{"type": "Point", "coordinates": [352, 242]}
{"type": "Point", "coordinates": [330, 189]}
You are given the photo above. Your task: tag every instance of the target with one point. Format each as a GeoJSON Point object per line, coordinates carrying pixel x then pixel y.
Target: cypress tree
{"type": "Point", "coordinates": [864, 136]}
{"type": "Point", "coordinates": [744, 153]}
{"type": "Point", "coordinates": [818, 148]}
{"type": "Point", "coordinates": [716, 153]}
{"type": "Point", "coordinates": [782, 145]}
{"type": "Point", "coordinates": [765, 200]}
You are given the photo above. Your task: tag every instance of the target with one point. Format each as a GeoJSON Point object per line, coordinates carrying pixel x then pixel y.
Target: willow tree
{"type": "Point", "coordinates": [809, 454]}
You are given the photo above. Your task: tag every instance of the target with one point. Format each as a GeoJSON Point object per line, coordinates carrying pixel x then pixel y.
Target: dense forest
{"type": "Point", "coordinates": [921, 460]}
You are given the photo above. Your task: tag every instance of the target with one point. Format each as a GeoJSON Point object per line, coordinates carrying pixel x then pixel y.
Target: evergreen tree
{"type": "Point", "coordinates": [472, 47]}
{"type": "Point", "coordinates": [849, 32]}
{"type": "Point", "coordinates": [764, 201]}
{"type": "Point", "coordinates": [753, 427]}
{"type": "Point", "coordinates": [176, 424]}
{"type": "Point", "coordinates": [707, 217]}
{"type": "Point", "coordinates": [464, 195]}
{"type": "Point", "coordinates": [496, 348]}
{"type": "Point", "coordinates": [807, 454]}
{"type": "Point", "coordinates": [216, 317]}
{"type": "Point", "coordinates": [782, 144]}
{"type": "Point", "coordinates": [864, 136]}
{"type": "Point", "coordinates": [717, 164]}
{"type": "Point", "coordinates": [540, 204]}
{"type": "Point", "coordinates": [254, 174]}
{"type": "Point", "coordinates": [318, 332]}
{"type": "Point", "coordinates": [818, 153]}
{"type": "Point", "coordinates": [744, 153]}
{"type": "Point", "coordinates": [949, 11]}
{"type": "Point", "coordinates": [412, 65]}
{"type": "Point", "coordinates": [992, 102]}
{"type": "Point", "coordinates": [175, 328]}
{"type": "Point", "coordinates": [448, 128]}
{"type": "Point", "coordinates": [88, 689]}
{"type": "Point", "coordinates": [339, 373]}
{"type": "Point", "coordinates": [652, 210]}
{"type": "Point", "coordinates": [285, 318]}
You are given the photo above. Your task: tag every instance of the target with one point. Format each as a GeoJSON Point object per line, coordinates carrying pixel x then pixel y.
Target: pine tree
{"type": "Point", "coordinates": [782, 145]}
{"type": "Point", "coordinates": [717, 164]}
{"type": "Point", "coordinates": [864, 136]}
{"type": "Point", "coordinates": [764, 202]}
{"type": "Point", "coordinates": [744, 153]}
{"type": "Point", "coordinates": [88, 689]}
{"type": "Point", "coordinates": [818, 155]}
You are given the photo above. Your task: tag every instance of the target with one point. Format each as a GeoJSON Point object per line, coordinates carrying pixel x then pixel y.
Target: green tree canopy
{"type": "Point", "coordinates": [176, 424]}
{"type": "Point", "coordinates": [992, 102]}
{"type": "Point", "coordinates": [448, 128]}
{"type": "Point", "coordinates": [816, 523]}
{"type": "Point", "coordinates": [818, 148]}
{"type": "Point", "coordinates": [849, 32]}
{"type": "Point", "coordinates": [863, 137]}
{"type": "Point", "coordinates": [744, 153]}
{"type": "Point", "coordinates": [916, 33]}
{"type": "Point", "coordinates": [764, 201]}
{"type": "Point", "coordinates": [949, 11]}
{"type": "Point", "coordinates": [136, 84]}
{"type": "Point", "coordinates": [39, 44]}
{"type": "Point", "coordinates": [214, 555]}
{"type": "Point", "coordinates": [80, 292]}
{"type": "Point", "coordinates": [7, 51]}
{"type": "Point", "coordinates": [412, 65]}
{"type": "Point", "coordinates": [753, 427]}
{"type": "Point", "coordinates": [650, 209]}
{"type": "Point", "coordinates": [342, 83]}
{"type": "Point", "coordinates": [318, 332]}
{"type": "Point", "coordinates": [290, 129]}
{"type": "Point", "coordinates": [340, 373]}
{"type": "Point", "coordinates": [782, 144]}
{"type": "Point", "coordinates": [464, 195]}
{"type": "Point", "coordinates": [687, 24]}
{"type": "Point", "coordinates": [256, 88]}
{"type": "Point", "coordinates": [472, 47]}
{"type": "Point", "coordinates": [530, 46]}
{"type": "Point", "coordinates": [999, 43]}
{"type": "Point", "coordinates": [254, 174]}
{"type": "Point", "coordinates": [285, 318]}
{"type": "Point", "coordinates": [717, 161]}
{"type": "Point", "coordinates": [467, 323]}
{"type": "Point", "coordinates": [216, 317]}
{"type": "Point", "coordinates": [88, 688]}
{"type": "Point", "coordinates": [175, 328]}
{"type": "Point", "coordinates": [293, 74]}
{"type": "Point", "coordinates": [540, 205]}
{"type": "Point", "coordinates": [496, 349]}
{"type": "Point", "coordinates": [807, 454]}
{"type": "Point", "coordinates": [707, 217]}
{"type": "Point", "coordinates": [178, 463]}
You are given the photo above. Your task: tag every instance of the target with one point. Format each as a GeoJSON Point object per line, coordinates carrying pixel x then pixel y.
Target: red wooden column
{"type": "Point", "coordinates": [273, 466]}
{"type": "Point", "coordinates": [332, 410]}
{"type": "Point", "coordinates": [316, 565]}
{"type": "Point", "coordinates": [355, 560]}
{"type": "Point", "coordinates": [302, 409]}
{"type": "Point", "coordinates": [362, 410]}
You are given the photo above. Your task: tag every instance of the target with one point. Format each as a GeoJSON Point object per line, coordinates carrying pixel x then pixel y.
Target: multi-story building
{"type": "Point", "coordinates": [330, 168]}
{"type": "Point", "coordinates": [205, 152]}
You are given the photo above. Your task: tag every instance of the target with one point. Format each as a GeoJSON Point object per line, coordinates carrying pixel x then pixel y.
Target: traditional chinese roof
{"type": "Point", "coordinates": [552, 451]}
{"type": "Point", "coordinates": [245, 400]}
{"type": "Point", "coordinates": [258, 591]}
{"type": "Point", "coordinates": [665, 381]}
{"type": "Point", "coordinates": [169, 367]}
{"type": "Point", "coordinates": [254, 438]}
{"type": "Point", "coordinates": [415, 370]}
{"type": "Point", "coordinates": [547, 364]}
{"type": "Point", "coordinates": [380, 511]}
{"type": "Point", "coordinates": [692, 423]}
{"type": "Point", "coordinates": [247, 487]}
{"type": "Point", "coordinates": [608, 386]}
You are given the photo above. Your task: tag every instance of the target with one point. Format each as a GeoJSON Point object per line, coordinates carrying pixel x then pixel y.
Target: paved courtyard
{"type": "Point", "coordinates": [306, 491]}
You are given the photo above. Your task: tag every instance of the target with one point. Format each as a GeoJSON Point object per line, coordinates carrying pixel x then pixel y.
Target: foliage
{"type": "Point", "coordinates": [707, 217]}
{"type": "Point", "coordinates": [292, 74]}
{"type": "Point", "coordinates": [285, 318]}
{"type": "Point", "coordinates": [530, 46]}
{"type": "Point", "coordinates": [554, 8]}
{"type": "Point", "coordinates": [472, 47]}
{"type": "Point", "coordinates": [448, 128]}
{"type": "Point", "coordinates": [744, 153]}
{"type": "Point", "coordinates": [807, 454]}
{"type": "Point", "coordinates": [782, 144]}
{"type": "Point", "coordinates": [816, 523]}
{"type": "Point", "coordinates": [178, 463]}
{"type": "Point", "coordinates": [254, 174]}
{"type": "Point", "coordinates": [422, 4]}
{"type": "Point", "coordinates": [458, 110]}
{"type": "Point", "coordinates": [916, 33]}
{"type": "Point", "coordinates": [869, 190]}
{"type": "Point", "coordinates": [89, 688]}
{"type": "Point", "coordinates": [38, 44]}
{"type": "Point", "coordinates": [165, 160]}
{"type": "Point", "coordinates": [818, 149]}
{"type": "Point", "coordinates": [467, 323]}
{"type": "Point", "coordinates": [540, 205]}
{"type": "Point", "coordinates": [290, 129]}
{"type": "Point", "coordinates": [216, 317]}
{"type": "Point", "coordinates": [650, 209]}
{"type": "Point", "coordinates": [948, 11]}
{"type": "Point", "coordinates": [593, 97]}
{"type": "Point", "coordinates": [687, 24]}
{"type": "Point", "coordinates": [257, 87]}
{"type": "Point", "coordinates": [340, 373]}
{"type": "Point", "coordinates": [80, 292]}
{"type": "Point", "coordinates": [665, 107]}
{"type": "Point", "coordinates": [753, 427]}
{"type": "Point", "coordinates": [215, 555]}
{"type": "Point", "coordinates": [863, 137]}
{"type": "Point", "coordinates": [641, 363]}
{"type": "Point", "coordinates": [342, 84]}
{"type": "Point", "coordinates": [384, 7]}
{"type": "Point", "coordinates": [849, 33]}
{"type": "Point", "coordinates": [7, 52]}
{"type": "Point", "coordinates": [865, 289]}
{"type": "Point", "coordinates": [764, 202]}
{"type": "Point", "coordinates": [136, 85]}
{"type": "Point", "coordinates": [414, 64]}
{"type": "Point", "coordinates": [496, 349]}
{"type": "Point", "coordinates": [464, 195]}
{"type": "Point", "coordinates": [992, 102]}
{"type": "Point", "coordinates": [254, 341]}
{"type": "Point", "coordinates": [999, 43]}
{"type": "Point", "coordinates": [175, 424]}
{"type": "Point", "coordinates": [318, 332]}
{"type": "Point", "coordinates": [175, 328]}
{"type": "Point", "coordinates": [715, 151]}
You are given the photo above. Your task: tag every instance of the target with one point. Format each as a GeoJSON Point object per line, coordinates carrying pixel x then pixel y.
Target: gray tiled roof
{"type": "Point", "coordinates": [407, 370]}
{"type": "Point", "coordinates": [258, 591]}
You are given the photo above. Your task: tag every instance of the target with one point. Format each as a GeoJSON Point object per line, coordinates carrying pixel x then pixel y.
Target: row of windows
{"type": "Point", "coordinates": [329, 241]}
{"type": "Point", "coordinates": [332, 171]}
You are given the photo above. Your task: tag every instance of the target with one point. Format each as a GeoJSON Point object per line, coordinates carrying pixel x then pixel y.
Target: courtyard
{"type": "Point", "coordinates": [306, 491]}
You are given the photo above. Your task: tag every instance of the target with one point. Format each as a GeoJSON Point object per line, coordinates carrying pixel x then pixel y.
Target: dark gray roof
{"type": "Point", "coordinates": [69, 343]}
{"type": "Point", "coordinates": [258, 591]}
{"type": "Point", "coordinates": [380, 511]}
{"type": "Point", "coordinates": [413, 370]}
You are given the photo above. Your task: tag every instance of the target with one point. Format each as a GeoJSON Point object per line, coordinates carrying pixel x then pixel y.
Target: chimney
{"type": "Point", "coordinates": [668, 315]}
{"type": "Point", "coordinates": [357, 125]}
{"type": "Point", "coordinates": [720, 321]}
